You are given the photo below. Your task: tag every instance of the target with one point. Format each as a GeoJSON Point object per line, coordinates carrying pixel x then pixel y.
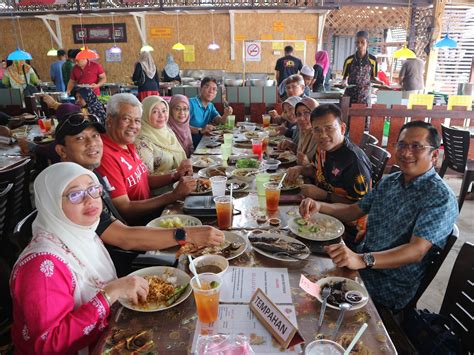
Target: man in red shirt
{"type": "Point", "coordinates": [87, 72]}
{"type": "Point", "coordinates": [127, 178]}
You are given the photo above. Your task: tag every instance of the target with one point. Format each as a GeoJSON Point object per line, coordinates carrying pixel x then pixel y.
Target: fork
{"type": "Point", "coordinates": [325, 294]}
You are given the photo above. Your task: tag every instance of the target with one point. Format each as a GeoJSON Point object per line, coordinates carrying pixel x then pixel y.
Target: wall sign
{"type": "Point", "coordinates": [160, 32]}
{"type": "Point", "coordinates": [253, 51]}
{"type": "Point", "coordinates": [100, 33]}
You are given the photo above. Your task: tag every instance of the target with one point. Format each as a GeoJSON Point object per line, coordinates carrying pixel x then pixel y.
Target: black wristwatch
{"type": "Point", "coordinates": [180, 236]}
{"type": "Point", "coordinates": [369, 260]}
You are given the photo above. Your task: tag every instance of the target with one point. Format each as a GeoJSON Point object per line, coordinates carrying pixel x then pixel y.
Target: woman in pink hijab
{"type": "Point", "coordinates": [321, 69]}
{"type": "Point", "coordinates": [179, 122]}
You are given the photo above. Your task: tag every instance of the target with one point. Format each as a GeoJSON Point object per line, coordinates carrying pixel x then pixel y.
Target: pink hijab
{"type": "Point", "coordinates": [181, 129]}
{"type": "Point", "coordinates": [322, 59]}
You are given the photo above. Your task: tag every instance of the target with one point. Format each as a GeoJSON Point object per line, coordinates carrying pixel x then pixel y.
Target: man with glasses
{"type": "Point", "coordinates": [203, 114]}
{"type": "Point", "coordinates": [79, 141]}
{"type": "Point", "coordinates": [294, 87]}
{"type": "Point", "coordinates": [410, 215]}
{"type": "Point", "coordinates": [342, 172]}
{"type": "Point", "coordinates": [126, 176]}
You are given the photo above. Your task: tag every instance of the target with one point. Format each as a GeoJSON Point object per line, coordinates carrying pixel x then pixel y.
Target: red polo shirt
{"type": "Point", "coordinates": [88, 75]}
{"type": "Point", "coordinates": [123, 170]}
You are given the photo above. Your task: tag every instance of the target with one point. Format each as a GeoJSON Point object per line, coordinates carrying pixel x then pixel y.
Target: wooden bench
{"type": "Point", "coordinates": [355, 117]}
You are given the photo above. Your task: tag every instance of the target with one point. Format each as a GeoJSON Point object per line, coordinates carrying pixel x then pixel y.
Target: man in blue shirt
{"type": "Point", "coordinates": [56, 73]}
{"type": "Point", "coordinates": [203, 114]}
{"type": "Point", "coordinates": [410, 214]}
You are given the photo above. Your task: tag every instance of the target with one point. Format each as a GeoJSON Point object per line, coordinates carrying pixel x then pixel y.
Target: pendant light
{"type": "Point", "coordinates": [146, 48]}
{"type": "Point", "coordinates": [213, 46]}
{"type": "Point", "coordinates": [405, 52]}
{"type": "Point", "coordinates": [114, 49]}
{"type": "Point", "coordinates": [178, 46]}
{"type": "Point", "coordinates": [52, 52]}
{"type": "Point", "coordinates": [86, 53]}
{"type": "Point", "coordinates": [18, 54]}
{"type": "Point", "coordinates": [446, 42]}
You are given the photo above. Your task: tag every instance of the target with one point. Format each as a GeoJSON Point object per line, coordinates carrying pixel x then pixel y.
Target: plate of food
{"type": "Point", "coordinates": [174, 221]}
{"type": "Point", "coordinates": [273, 141]}
{"type": "Point", "coordinates": [247, 163]}
{"type": "Point", "coordinates": [203, 186]}
{"type": "Point", "coordinates": [205, 162]}
{"type": "Point", "coordinates": [168, 287]}
{"type": "Point", "coordinates": [251, 135]}
{"type": "Point", "coordinates": [319, 227]}
{"type": "Point", "coordinates": [243, 144]}
{"type": "Point", "coordinates": [287, 186]}
{"type": "Point", "coordinates": [285, 157]}
{"type": "Point", "coordinates": [213, 171]}
{"type": "Point", "coordinates": [343, 290]}
{"type": "Point", "coordinates": [279, 247]}
{"type": "Point", "coordinates": [236, 186]}
{"type": "Point", "coordinates": [245, 174]}
{"type": "Point", "coordinates": [233, 246]}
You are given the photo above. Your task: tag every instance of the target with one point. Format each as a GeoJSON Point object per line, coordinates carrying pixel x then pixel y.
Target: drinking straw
{"type": "Point", "coordinates": [280, 184]}
{"type": "Point", "coordinates": [231, 188]}
{"type": "Point", "coordinates": [356, 339]}
{"type": "Point", "coordinates": [193, 270]}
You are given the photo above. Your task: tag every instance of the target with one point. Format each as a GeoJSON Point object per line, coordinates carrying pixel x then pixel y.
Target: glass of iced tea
{"type": "Point", "coordinates": [207, 296]}
{"type": "Point", "coordinates": [266, 120]}
{"type": "Point", "coordinates": [272, 196]}
{"type": "Point", "coordinates": [264, 136]}
{"type": "Point", "coordinates": [224, 207]}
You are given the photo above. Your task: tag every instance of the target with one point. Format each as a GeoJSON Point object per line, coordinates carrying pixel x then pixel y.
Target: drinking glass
{"type": "Point", "coordinates": [266, 120]}
{"type": "Point", "coordinates": [323, 346]}
{"type": "Point", "coordinates": [218, 184]}
{"type": "Point", "coordinates": [224, 211]}
{"type": "Point", "coordinates": [272, 196]}
{"type": "Point", "coordinates": [226, 150]}
{"type": "Point", "coordinates": [207, 297]}
{"type": "Point", "coordinates": [257, 148]}
{"type": "Point", "coordinates": [231, 121]}
{"type": "Point", "coordinates": [228, 138]}
{"type": "Point", "coordinates": [260, 180]}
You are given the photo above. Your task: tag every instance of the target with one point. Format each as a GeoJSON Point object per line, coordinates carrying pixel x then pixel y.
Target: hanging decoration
{"type": "Point", "coordinates": [86, 53]}
{"type": "Point", "coordinates": [213, 46]}
{"type": "Point", "coordinates": [446, 42]}
{"type": "Point", "coordinates": [178, 46]}
{"type": "Point", "coordinates": [115, 49]}
{"type": "Point", "coordinates": [18, 54]}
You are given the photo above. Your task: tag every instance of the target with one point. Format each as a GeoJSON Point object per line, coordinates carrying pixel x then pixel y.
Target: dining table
{"type": "Point", "coordinates": [172, 330]}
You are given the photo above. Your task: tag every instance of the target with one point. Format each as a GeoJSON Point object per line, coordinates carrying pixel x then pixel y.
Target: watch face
{"type": "Point", "coordinates": [369, 259]}
{"type": "Point", "coordinates": [180, 234]}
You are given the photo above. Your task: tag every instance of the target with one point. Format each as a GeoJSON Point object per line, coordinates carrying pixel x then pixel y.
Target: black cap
{"type": "Point", "coordinates": [75, 124]}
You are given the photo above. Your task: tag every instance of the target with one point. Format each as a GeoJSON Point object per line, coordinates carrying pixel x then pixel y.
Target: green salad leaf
{"type": "Point", "coordinates": [247, 163]}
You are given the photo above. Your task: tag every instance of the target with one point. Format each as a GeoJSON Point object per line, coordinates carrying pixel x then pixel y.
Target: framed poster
{"type": "Point", "coordinates": [100, 33]}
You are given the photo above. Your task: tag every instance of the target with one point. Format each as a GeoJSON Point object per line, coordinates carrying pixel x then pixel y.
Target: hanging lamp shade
{"type": "Point", "coordinates": [404, 52]}
{"type": "Point", "coordinates": [115, 50]}
{"type": "Point", "coordinates": [86, 53]}
{"type": "Point", "coordinates": [52, 53]}
{"type": "Point", "coordinates": [146, 48]}
{"type": "Point", "coordinates": [447, 42]}
{"type": "Point", "coordinates": [178, 46]}
{"type": "Point", "coordinates": [213, 46]}
{"type": "Point", "coordinates": [18, 54]}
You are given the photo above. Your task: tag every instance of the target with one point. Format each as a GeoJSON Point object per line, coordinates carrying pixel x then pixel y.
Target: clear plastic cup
{"type": "Point", "coordinates": [231, 121]}
{"type": "Point", "coordinates": [228, 138]}
{"type": "Point", "coordinates": [272, 196]}
{"type": "Point", "coordinates": [218, 184]}
{"type": "Point", "coordinates": [266, 120]}
{"type": "Point", "coordinates": [323, 347]}
{"type": "Point", "coordinates": [260, 180]}
{"type": "Point", "coordinates": [207, 297]}
{"type": "Point", "coordinates": [224, 207]}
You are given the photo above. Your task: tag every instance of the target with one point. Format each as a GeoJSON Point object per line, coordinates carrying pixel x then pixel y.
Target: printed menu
{"type": "Point", "coordinates": [239, 319]}
{"type": "Point", "coordinates": [242, 282]}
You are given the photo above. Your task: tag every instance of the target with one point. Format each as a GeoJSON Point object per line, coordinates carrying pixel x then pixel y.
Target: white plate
{"type": "Point", "coordinates": [242, 185]}
{"type": "Point", "coordinates": [234, 237]}
{"type": "Point", "coordinates": [188, 221]}
{"type": "Point", "coordinates": [203, 173]}
{"type": "Point", "coordinates": [182, 279]}
{"type": "Point", "coordinates": [351, 285]}
{"type": "Point", "coordinates": [194, 192]}
{"type": "Point", "coordinates": [303, 255]}
{"type": "Point", "coordinates": [337, 228]}
{"type": "Point", "coordinates": [200, 161]}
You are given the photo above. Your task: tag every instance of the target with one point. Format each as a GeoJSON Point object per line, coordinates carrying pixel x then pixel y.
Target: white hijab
{"type": "Point", "coordinates": [53, 233]}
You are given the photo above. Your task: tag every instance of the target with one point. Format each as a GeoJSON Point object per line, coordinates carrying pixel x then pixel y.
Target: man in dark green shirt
{"type": "Point", "coordinates": [69, 64]}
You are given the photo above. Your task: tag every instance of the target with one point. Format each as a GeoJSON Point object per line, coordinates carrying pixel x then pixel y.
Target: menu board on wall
{"type": "Point", "coordinates": [100, 33]}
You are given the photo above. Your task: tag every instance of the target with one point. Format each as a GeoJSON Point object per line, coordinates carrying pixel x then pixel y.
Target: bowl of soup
{"type": "Point", "coordinates": [214, 264]}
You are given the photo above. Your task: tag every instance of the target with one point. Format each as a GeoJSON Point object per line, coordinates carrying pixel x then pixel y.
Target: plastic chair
{"type": "Point", "coordinates": [378, 159]}
{"type": "Point", "coordinates": [460, 100]}
{"type": "Point", "coordinates": [3, 210]}
{"type": "Point", "coordinates": [456, 148]}
{"type": "Point", "coordinates": [422, 100]}
{"type": "Point", "coordinates": [367, 139]}
{"type": "Point", "coordinates": [457, 303]}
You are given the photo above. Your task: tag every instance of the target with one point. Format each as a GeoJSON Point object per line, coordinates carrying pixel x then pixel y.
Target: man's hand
{"type": "Point", "coordinates": [186, 185]}
{"type": "Point", "coordinates": [292, 174]}
{"type": "Point", "coordinates": [302, 159]}
{"type": "Point", "coordinates": [208, 129]}
{"type": "Point", "coordinates": [286, 144]}
{"type": "Point", "coordinates": [273, 114]}
{"type": "Point", "coordinates": [342, 256]}
{"type": "Point", "coordinates": [309, 206]}
{"type": "Point", "coordinates": [314, 192]}
{"type": "Point", "coordinates": [281, 130]}
{"type": "Point", "coordinates": [204, 235]}
{"type": "Point", "coordinates": [185, 168]}
{"type": "Point", "coordinates": [228, 110]}
{"type": "Point", "coordinates": [93, 86]}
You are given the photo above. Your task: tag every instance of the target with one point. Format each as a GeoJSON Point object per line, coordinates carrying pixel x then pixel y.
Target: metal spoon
{"type": "Point", "coordinates": [325, 294]}
{"type": "Point", "coordinates": [343, 307]}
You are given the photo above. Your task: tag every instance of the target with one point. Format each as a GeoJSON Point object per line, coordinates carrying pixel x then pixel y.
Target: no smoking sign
{"type": "Point", "coordinates": [253, 51]}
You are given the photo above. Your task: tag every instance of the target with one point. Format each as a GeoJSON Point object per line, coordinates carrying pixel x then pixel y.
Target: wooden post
{"type": "Point", "coordinates": [430, 66]}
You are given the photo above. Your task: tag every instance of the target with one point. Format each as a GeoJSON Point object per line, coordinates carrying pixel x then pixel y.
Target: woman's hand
{"type": "Point", "coordinates": [309, 206]}
{"type": "Point", "coordinates": [286, 144]}
{"type": "Point", "coordinates": [185, 168]}
{"type": "Point", "coordinates": [204, 235]}
{"type": "Point", "coordinates": [130, 288]}
{"type": "Point", "coordinates": [273, 114]}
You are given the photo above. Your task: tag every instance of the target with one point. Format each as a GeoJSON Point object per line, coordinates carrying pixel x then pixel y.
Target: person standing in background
{"type": "Point", "coordinates": [287, 65]}
{"type": "Point", "coordinates": [87, 72]}
{"type": "Point", "coordinates": [66, 69]}
{"type": "Point", "coordinates": [19, 74]}
{"type": "Point", "coordinates": [171, 70]}
{"type": "Point", "coordinates": [321, 69]}
{"type": "Point", "coordinates": [56, 73]}
{"type": "Point", "coordinates": [411, 77]}
{"type": "Point", "coordinates": [145, 76]}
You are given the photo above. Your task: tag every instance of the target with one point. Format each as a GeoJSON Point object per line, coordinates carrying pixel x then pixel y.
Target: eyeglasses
{"type": "Point", "coordinates": [184, 109]}
{"type": "Point", "coordinates": [210, 88]}
{"type": "Point", "coordinates": [76, 197]}
{"type": "Point", "coordinates": [76, 119]}
{"type": "Point", "coordinates": [325, 129]}
{"type": "Point", "coordinates": [303, 114]}
{"type": "Point", "coordinates": [415, 147]}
